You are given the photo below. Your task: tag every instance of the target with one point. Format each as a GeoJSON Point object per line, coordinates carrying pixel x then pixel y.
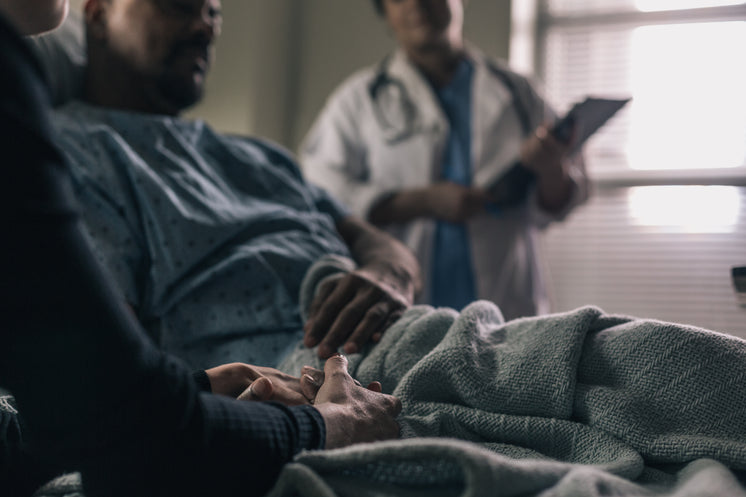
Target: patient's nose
{"type": "Point", "coordinates": [208, 21]}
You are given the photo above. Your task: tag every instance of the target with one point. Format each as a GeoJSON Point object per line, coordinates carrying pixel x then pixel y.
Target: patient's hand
{"type": "Point", "coordinates": [354, 414]}
{"type": "Point", "coordinates": [358, 307]}
{"type": "Point", "coordinates": [311, 380]}
{"type": "Point", "coordinates": [247, 382]}
{"type": "Point", "coordinates": [352, 310]}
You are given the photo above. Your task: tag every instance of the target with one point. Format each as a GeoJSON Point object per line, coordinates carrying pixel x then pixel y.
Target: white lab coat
{"type": "Point", "coordinates": [352, 153]}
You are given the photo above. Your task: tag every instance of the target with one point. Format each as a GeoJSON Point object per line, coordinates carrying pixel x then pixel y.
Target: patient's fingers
{"type": "Point", "coordinates": [349, 319]}
{"type": "Point", "coordinates": [328, 310]}
{"type": "Point", "coordinates": [372, 322]}
{"type": "Point", "coordinates": [322, 293]}
{"type": "Point", "coordinates": [393, 318]}
{"type": "Point", "coordinates": [353, 414]}
{"type": "Point", "coordinates": [312, 379]}
{"type": "Point", "coordinates": [375, 386]}
{"type": "Point", "coordinates": [356, 311]}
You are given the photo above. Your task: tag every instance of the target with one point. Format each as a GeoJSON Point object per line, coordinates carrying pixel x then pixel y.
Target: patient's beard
{"type": "Point", "coordinates": [179, 93]}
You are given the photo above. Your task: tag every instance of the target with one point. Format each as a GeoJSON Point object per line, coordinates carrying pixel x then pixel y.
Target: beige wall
{"type": "Point", "coordinates": [340, 36]}
{"type": "Point", "coordinates": [248, 86]}
{"type": "Point", "coordinates": [277, 60]}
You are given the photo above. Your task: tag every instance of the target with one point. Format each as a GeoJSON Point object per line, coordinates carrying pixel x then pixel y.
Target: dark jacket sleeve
{"type": "Point", "coordinates": [21, 473]}
{"type": "Point", "coordinates": [92, 391]}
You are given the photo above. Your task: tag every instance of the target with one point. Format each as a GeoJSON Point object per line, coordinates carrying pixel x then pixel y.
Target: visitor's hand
{"type": "Point", "coordinates": [454, 203]}
{"type": "Point", "coordinates": [354, 414]}
{"type": "Point", "coordinates": [247, 382]}
{"type": "Point", "coordinates": [352, 310]}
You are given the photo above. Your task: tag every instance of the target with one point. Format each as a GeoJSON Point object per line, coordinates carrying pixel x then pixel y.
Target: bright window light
{"type": "Point", "coordinates": [689, 106]}
{"type": "Point", "coordinates": [686, 209]}
{"type": "Point", "coordinates": [656, 5]}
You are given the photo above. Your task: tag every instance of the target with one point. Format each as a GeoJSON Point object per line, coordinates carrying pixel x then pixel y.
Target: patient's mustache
{"type": "Point", "coordinates": [198, 46]}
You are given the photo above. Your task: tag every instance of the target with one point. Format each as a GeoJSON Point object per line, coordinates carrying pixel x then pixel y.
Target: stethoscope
{"type": "Point", "coordinates": [396, 113]}
{"type": "Point", "coordinates": [393, 107]}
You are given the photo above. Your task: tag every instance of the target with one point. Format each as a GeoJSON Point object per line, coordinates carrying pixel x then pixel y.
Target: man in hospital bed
{"type": "Point", "coordinates": [209, 235]}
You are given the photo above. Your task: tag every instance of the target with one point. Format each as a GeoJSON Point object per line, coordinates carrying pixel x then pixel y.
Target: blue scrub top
{"type": "Point", "coordinates": [452, 270]}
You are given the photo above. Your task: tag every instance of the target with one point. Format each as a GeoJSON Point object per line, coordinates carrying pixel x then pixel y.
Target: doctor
{"type": "Point", "coordinates": [413, 144]}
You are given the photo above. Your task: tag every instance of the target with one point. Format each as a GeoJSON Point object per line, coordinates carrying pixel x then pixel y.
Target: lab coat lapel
{"type": "Point", "coordinates": [431, 121]}
{"type": "Point", "coordinates": [496, 130]}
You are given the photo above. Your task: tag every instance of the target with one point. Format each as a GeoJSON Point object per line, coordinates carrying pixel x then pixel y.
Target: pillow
{"type": "Point", "coordinates": [63, 55]}
{"type": "Point", "coordinates": [7, 403]}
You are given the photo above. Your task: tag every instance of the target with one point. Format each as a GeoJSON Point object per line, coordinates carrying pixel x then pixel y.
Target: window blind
{"type": "Point", "coordinates": [684, 72]}
{"type": "Point", "coordinates": [608, 254]}
{"type": "Point", "coordinates": [667, 219]}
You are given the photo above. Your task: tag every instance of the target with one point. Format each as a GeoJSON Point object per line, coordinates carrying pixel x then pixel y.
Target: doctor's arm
{"type": "Point", "coordinates": [335, 156]}
{"type": "Point", "coordinates": [358, 307]}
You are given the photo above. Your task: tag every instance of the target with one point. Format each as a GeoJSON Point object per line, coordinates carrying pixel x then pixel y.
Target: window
{"type": "Point", "coordinates": [684, 69]}
{"type": "Point", "coordinates": [668, 215]}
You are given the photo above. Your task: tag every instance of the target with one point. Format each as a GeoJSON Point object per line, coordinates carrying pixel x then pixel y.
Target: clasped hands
{"type": "Point", "coordinates": [256, 383]}
{"type": "Point", "coordinates": [352, 413]}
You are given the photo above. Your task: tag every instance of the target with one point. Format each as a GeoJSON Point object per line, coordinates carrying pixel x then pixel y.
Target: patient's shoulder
{"type": "Point", "coordinates": [267, 151]}
{"type": "Point", "coordinates": [77, 113]}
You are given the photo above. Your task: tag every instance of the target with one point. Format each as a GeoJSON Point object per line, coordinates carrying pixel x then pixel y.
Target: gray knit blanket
{"type": "Point", "coordinates": [579, 404]}
{"type": "Point", "coordinates": [573, 404]}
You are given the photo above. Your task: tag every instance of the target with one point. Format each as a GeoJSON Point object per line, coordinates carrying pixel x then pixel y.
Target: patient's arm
{"type": "Point", "coordinates": [361, 305]}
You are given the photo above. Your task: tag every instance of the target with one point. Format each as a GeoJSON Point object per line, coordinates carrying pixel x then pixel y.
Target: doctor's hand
{"type": "Point", "coordinates": [354, 414]}
{"type": "Point", "coordinates": [454, 203]}
{"type": "Point", "coordinates": [352, 310]}
{"type": "Point", "coordinates": [548, 159]}
{"type": "Point", "coordinates": [542, 153]}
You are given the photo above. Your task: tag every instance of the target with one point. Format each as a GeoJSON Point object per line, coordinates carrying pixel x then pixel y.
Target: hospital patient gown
{"type": "Point", "coordinates": [207, 235]}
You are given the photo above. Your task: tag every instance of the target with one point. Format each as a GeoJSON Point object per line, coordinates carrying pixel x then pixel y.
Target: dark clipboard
{"type": "Point", "coordinates": [586, 117]}
{"type": "Point", "coordinates": [582, 121]}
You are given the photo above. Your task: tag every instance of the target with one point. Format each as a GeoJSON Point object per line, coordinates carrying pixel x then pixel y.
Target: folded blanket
{"type": "Point", "coordinates": [579, 403]}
